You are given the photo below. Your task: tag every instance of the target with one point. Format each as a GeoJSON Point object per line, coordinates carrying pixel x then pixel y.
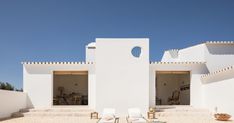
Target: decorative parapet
{"type": "Point", "coordinates": [174, 53]}
{"type": "Point", "coordinates": [219, 42]}
{"type": "Point", "coordinates": [173, 50]}
{"type": "Point", "coordinates": [218, 75]}
{"type": "Point", "coordinates": [24, 63]}
{"type": "Point", "coordinates": [177, 63]}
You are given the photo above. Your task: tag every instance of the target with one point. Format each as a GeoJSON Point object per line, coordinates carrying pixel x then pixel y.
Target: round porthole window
{"type": "Point", "coordinates": [136, 51]}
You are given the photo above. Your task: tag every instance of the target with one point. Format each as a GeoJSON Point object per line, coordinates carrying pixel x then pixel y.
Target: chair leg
{"type": "Point", "coordinates": [117, 120]}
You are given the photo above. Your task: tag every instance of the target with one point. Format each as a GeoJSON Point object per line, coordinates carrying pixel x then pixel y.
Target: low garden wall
{"type": "Point", "coordinates": [11, 101]}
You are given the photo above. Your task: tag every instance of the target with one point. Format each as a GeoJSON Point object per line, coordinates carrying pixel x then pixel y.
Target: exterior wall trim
{"type": "Point", "coordinates": [57, 63]}
{"type": "Point", "coordinates": [219, 42]}
{"type": "Point", "coordinates": [177, 62]}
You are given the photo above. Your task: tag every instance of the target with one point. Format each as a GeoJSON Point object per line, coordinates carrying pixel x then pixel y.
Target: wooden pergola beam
{"type": "Point", "coordinates": [70, 72]}
{"type": "Point", "coordinates": [172, 72]}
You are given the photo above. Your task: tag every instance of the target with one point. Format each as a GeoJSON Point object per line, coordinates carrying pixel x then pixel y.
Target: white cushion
{"type": "Point", "coordinates": [137, 120]}
{"type": "Point", "coordinates": [107, 121]}
{"type": "Point", "coordinates": [134, 113]}
{"type": "Point", "coordinates": [108, 112]}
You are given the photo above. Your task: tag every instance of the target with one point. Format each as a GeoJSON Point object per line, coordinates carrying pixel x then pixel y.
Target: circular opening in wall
{"type": "Point", "coordinates": [136, 51]}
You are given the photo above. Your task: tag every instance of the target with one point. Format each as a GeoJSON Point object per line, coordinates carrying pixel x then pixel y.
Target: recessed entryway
{"type": "Point", "coordinates": [172, 88]}
{"type": "Point", "coordinates": [70, 88]}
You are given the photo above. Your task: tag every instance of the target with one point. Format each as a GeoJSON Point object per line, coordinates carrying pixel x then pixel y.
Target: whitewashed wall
{"type": "Point", "coordinates": [218, 91]}
{"type": "Point", "coordinates": [196, 92]}
{"type": "Point", "coordinates": [195, 83]}
{"type": "Point", "coordinates": [193, 53]}
{"type": "Point", "coordinates": [90, 52]}
{"type": "Point", "coordinates": [38, 82]}
{"type": "Point", "coordinates": [122, 79]}
{"type": "Point", "coordinates": [220, 95]}
{"type": "Point", "coordinates": [11, 101]}
{"type": "Point", "coordinates": [216, 56]}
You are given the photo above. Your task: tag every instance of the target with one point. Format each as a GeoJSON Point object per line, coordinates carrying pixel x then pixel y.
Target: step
{"type": "Point", "coordinates": [44, 114]}
{"type": "Point", "coordinates": [182, 114]}
{"type": "Point", "coordinates": [58, 110]}
{"type": "Point", "coordinates": [180, 109]}
{"type": "Point", "coordinates": [67, 111]}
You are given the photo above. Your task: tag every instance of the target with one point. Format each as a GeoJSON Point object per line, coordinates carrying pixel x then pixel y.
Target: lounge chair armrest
{"type": "Point", "coordinates": [146, 120]}
{"type": "Point", "coordinates": [116, 120]}
{"type": "Point", "coordinates": [127, 118]}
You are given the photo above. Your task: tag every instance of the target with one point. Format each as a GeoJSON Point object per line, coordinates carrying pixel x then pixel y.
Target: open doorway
{"type": "Point", "coordinates": [172, 88]}
{"type": "Point", "coordinates": [70, 88]}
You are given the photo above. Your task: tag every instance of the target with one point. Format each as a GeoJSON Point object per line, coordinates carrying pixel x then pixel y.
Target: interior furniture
{"type": "Point", "coordinates": [158, 101]}
{"type": "Point", "coordinates": [84, 100]}
{"type": "Point", "coordinates": [60, 89]}
{"type": "Point", "coordinates": [151, 115]}
{"type": "Point", "coordinates": [94, 115]}
{"type": "Point", "coordinates": [175, 98]}
{"type": "Point", "coordinates": [70, 99]}
{"type": "Point", "coordinates": [55, 101]}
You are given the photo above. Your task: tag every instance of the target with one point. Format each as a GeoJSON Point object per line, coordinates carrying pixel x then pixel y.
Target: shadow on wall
{"type": "Point", "coordinates": [44, 69]}
{"type": "Point", "coordinates": [218, 77]}
{"type": "Point", "coordinates": [224, 49]}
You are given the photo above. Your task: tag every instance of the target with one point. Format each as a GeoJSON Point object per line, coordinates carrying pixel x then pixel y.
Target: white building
{"type": "Point", "coordinates": [117, 73]}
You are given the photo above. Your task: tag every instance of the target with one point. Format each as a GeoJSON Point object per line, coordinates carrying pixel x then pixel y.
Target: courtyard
{"type": "Point", "coordinates": [183, 118]}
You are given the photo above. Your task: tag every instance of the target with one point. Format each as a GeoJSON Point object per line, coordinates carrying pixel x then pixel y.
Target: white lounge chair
{"type": "Point", "coordinates": [135, 116]}
{"type": "Point", "coordinates": [108, 116]}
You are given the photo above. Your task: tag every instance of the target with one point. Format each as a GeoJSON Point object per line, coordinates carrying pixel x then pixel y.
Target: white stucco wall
{"type": "Point", "coordinates": [219, 94]}
{"type": "Point", "coordinates": [196, 92]}
{"type": "Point", "coordinates": [195, 83]}
{"type": "Point", "coordinates": [216, 56]}
{"type": "Point", "coordinates": [122, 79]}
{"type": "Point", "coordinates": [218, 91]}
{"type": "Point", "coordinates": [11, 101]}
{"type": "Point", "coordinates": [90, 52]}
{"type": "Point", "coordinates": [193, 53]}
{"type": "Point", "coordinates": [38, 82]}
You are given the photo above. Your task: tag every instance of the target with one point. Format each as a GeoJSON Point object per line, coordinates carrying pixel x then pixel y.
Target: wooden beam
{"type": "Point", "coordinates": [172, 72]}
{"type": "Point", "coordinates": [70, 72]}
